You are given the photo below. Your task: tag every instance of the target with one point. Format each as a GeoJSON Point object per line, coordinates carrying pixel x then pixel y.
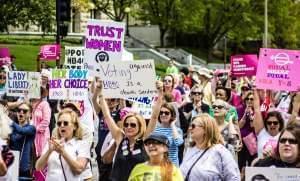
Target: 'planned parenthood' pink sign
{"type": "Point", "coordinates": [50, 52]}
{"type": "Point", "coordinates": [278, 69]}
{"type": "Point", "coordinates": [243, 65]}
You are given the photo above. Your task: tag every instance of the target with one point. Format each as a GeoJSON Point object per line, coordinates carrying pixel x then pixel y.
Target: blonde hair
{"type": "Point", "coordinates": [166, 168]}
{"type": "Point", "coordinates": [5, 123]}
{"type": "Point", "coordinates": [141, 123]}
{"type": "Point", "coordinates": [212, 134]}
{"type": "Point", "coordinates": [78, 132]}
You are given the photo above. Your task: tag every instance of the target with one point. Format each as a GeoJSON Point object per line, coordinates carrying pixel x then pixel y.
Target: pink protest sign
{"type": "Point", "coordinates": [277, 69]}
{"type": "Point", "coordinates": [4, 56]}
{"type": "Point", "coordinates": [50, 52]}
{"type": "Point", "coordinates": [243, 65]}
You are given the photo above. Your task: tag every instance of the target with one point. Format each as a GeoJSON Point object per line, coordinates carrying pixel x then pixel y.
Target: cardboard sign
{"type": "Point", "coordinates": [4, 56]}
{"type": "Point", "coordinates": [103, 43]}
{"type": "Point", "coordinates": [74, 57]}
{"type": "Point", "coordinates": [23, 84]}
{"type": "Point", "coordinates": [243, 65]}
{"type": "Point", "coordinates": [143, 109]}
{"type": "Point", "coordinates": [128, 79]}
{"type": "Point", "coordinates": [272, 174]}
{"type": "Point", "coordinates": [278, 69]}
{"type": "Point", "coordinates": [68, 84]}
{"type": "Point", "coordinates": [50, 52]}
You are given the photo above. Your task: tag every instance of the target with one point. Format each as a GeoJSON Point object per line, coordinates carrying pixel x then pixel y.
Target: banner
{"type": "Point", "coordinates": [278, 70]}
{"type": "Point", "coordinates": [243, 65]}
{"type": "Point", "coordinates": [128, 79]}
{"type": "Point", "coordinates": [272, 174]}
{"type": "Point", "coordinates": [103, 43]}
{"type": "Point", "coordinates": [23, 84]}
{"type": "Point", "coordinates": [68, 84]}
{"type": "Point", "coordinates": [74, 57]}
{"type": "Point", "coordinates": [50, 52]}
{"type": "Point", "coordinates": [4, 56]}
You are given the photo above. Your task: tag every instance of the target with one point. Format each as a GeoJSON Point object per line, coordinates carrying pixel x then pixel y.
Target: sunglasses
{"type": "Point", "coordinates": [167, 80]}
{"type": "Point", "coordinates": [217, 106]}
{"type": "Point", "coordinates": [193, 126]}
{"type": "Point", "coordinates": [249, 99]}
{"type": "Point", "coordinates": [290, 140]}
{"type": "Point", "coordinates": [245, 88]}
{"type": "Point", "coordinates": [272, 122]}
{"type": "Point", "coordinates": [132, 125]}
{"type": "Point", "coordinates": [152, 142]}
{"type": "Point", "coordinates": [23, 110]}
{"type": "Point", "coordinates": [167, 113]}
{"type": "Point", "coordinates": [196, 93]}
{"type": "Point", "coordinates": [219, 95]}
{"type": "Point", "coordinates": [62, 123]}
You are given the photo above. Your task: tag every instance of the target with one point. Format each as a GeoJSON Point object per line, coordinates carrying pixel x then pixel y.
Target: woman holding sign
{"type": "Point", "coordinates": [129, 140]}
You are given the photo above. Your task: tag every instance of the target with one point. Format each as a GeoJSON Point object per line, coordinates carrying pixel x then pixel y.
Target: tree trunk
{"type": "Point", "coordinates": [162, 36]}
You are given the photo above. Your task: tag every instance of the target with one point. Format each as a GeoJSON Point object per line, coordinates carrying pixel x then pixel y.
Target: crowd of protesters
{"type": "Point", "coordinates": [205, 125]}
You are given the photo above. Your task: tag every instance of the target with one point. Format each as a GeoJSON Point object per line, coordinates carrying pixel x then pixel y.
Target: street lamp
{"type": "Point", "coordinates": [225, 51]}
{"type": "Point", "coordinates": [127, 11]}
{"type": "Point", "coordinates": [265, 42]}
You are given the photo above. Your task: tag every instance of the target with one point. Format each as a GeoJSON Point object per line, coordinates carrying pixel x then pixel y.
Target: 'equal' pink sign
{"type": "Point", "coordinates": [50, 52]}
{"type": "Point", "coordinates": [243, 65]}
{"type": "Point", "coordinates": [278, 69]}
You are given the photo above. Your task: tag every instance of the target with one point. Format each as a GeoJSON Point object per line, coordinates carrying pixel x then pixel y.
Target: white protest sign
{"type": "Point", "coordinates": [13, 170]}
{"type": "Point", "coordinates": [23, 84]}
{"type": "Point", "coordinates": [74, 57]}
{"type": "Point", "coordinates": [143, 100]}
{"type": "Point", "coordinates": [68, 84]}
{"type": "Point", "coordinates": [143, 109]}
{"type": "Point", "coordinates": [272, 174]}
{"type": "Point", "coordinates": [103, 43]}
{"type": "Point", "coordinates": [128, 79]}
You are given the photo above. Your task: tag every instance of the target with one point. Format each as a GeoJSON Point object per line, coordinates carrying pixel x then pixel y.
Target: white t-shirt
{"type": "Point", "coordinates": [263, 138]}
{"type": "Point", "coordinates": [76, 149]}
{"type": "Point", "coordinates": [87, 118]}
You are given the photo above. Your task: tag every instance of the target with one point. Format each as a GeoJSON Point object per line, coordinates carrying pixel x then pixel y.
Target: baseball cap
{"type": "Point", "coordinates": [158, 137]}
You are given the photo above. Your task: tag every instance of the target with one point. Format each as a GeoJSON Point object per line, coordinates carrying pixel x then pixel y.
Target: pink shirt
{"type": "Point", "coordinates": [177, 96]}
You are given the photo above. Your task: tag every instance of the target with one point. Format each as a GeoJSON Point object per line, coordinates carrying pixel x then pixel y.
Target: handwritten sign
{"type": "Point", "coordinates": [49, 52]}
{"type": "Point", "coordinates": [74, 57]}
{"type": "Point", "coordinates": [278, 69]}
{"type": "Point", "coordinates": [128, 79]}
{"type": "Point", "coordinates": [23, 84]}
{"type": "Point", "coordinates": [103, 43]}
{"type": "Point", "coordinates": [243, 65]}
{"type": "Point", "coordinates": [68, 84]}
{"type": "Point", "coordinates": [143, 109]}
{"type": "Point", "coordinates": [4, 56]}
{"type": "Point", "coordinates": [272, 174]}
{"type": "Point", "coordinates": [143, 100]}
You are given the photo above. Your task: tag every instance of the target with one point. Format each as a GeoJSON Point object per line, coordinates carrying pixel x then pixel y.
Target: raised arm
{"type": "Point", "coordinates": [296, 107]}
{"type": "Point", "coordinates": [258, 122]}
{"type": "Point", "coordinates": [155, 109]}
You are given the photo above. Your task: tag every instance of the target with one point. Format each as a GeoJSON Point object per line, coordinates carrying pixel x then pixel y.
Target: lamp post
{"type": "Point", "coordinates": [127, 11]}
{"type": "Point", "coordinates": [265, 42]}
{"type": "Point", "coordinates": [225, 51]}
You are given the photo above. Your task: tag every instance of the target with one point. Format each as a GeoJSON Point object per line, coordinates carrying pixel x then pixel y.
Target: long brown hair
{"type": "Point", "coordinates": [166, 168]}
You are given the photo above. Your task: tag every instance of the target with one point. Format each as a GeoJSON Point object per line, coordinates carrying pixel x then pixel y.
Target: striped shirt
{"type": "Point", "coordinates": [174, 143]}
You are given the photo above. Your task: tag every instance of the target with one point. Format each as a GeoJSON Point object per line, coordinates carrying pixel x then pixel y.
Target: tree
{"type": "Point", "coordinates": [161, 13]}
{"type": "Point", "coordinates": [114, 9]}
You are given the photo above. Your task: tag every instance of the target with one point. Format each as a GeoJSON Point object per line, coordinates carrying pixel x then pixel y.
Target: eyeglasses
{"type": "Point", "coordinates": [290, 140]}
{"type": "Point", "coordinates": [196, 93]}
{"type": "Point", "coordinates": [249, 99]}
{"type": "Point", "coordinates": [152, 142]}
{"type": "Point", "coordinates": [245, 88]}
{"type": "Point", "coordinates": [23, 110]}
{"type": "Point", "coordinates": [62, 123]}
{"type": "Point", "coordinates": [217, 106]}
{"type": "Point", "coordinates": [132, 125]}
{"type": "Point", "coordinates": [167, 80]}
{"type": "Point", "coordinates": [193, 126]}
{"type": "Point", "coordinates": [272, 122]}
{"type": "Point", "coordinates": [167, 113]}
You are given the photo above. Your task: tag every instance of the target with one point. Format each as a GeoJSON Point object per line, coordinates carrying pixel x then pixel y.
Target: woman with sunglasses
{"type": "Point", "coordinates": [158, 167]}
{"type": "Point", "coordinates": [229, 130]}
{"type": "Point", "coordinates": [224, 94]}
{"type": "Point", "coordinates": [66, 155]}
{"type": "Point", "coordinates": [22, 139]}
{"type": "Point", "coordinates": [169, 87]}
{"type": "Point", "coordinates": [267, 130]}
{"type": "Point", "coordinates": [129, 140]}
{"type": "Point", "coordinates": [288, 149]}
{"type": "Point", "coordinates": [206, 158]}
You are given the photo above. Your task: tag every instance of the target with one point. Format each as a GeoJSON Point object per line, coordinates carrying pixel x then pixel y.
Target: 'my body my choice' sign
{"type": "Point", "coordinates": [68, 84]}
{"type": "Point", "coordinates": [103, 43]}
{"type": "Point", "coordinates": [128, 79]}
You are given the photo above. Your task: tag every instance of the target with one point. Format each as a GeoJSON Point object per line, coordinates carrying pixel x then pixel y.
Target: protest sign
{"type": "Point", "coordinates": [126, 79]}
{"type": "Point", "coordinates": [50, 52]}
{"type": "Point", "coordinates": [103, 43]}
{"type": "Point", "coordinates": [278, 69]}
{"type": "Point", "coordinates": [68, 84]}
{"type": "Point", "coordinates": [23, 84]}
{"type": "Point", "coordinates": [243, 65]}
{"type": "Point", "coordinates": [4, 56]}
{"type": "Point", "coordinates": [272, 174]}
{"type": "Point", "coordinates": [74, 57]}
{"type": "Point", "coordinates": [143, 100]}
{"type": "Point", "coordinates": [144, 110]}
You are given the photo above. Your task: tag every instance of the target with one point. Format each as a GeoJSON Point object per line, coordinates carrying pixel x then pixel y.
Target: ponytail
{"type": "Point", "coordinates": [166, 168]}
